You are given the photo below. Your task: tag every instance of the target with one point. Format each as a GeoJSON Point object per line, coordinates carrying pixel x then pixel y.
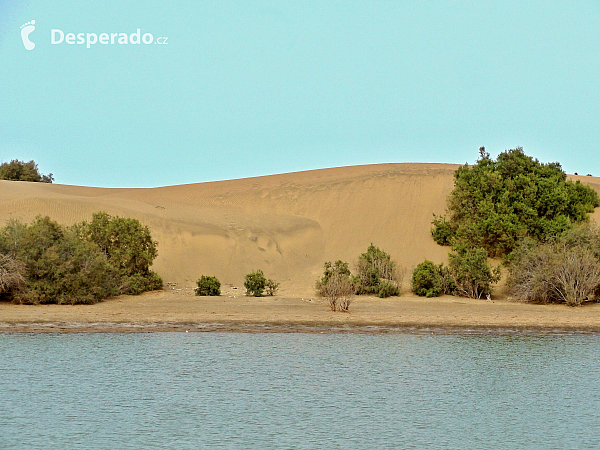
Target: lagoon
{"type": "Point", "coordinates": [298, 391]}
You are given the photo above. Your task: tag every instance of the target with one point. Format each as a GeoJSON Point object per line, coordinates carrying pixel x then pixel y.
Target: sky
{"type": "Point", "coordinates": [251, 88]}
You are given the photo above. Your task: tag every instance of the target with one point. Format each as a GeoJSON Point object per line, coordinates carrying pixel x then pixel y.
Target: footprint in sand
{"type": "Point", "coordinates": [26, 30]}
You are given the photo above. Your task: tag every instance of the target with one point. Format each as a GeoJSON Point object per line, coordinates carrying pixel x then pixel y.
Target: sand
{"type": "Point", "coordinates": [287, 225]}
{"type": "Point", "coordinates": [169, 311]}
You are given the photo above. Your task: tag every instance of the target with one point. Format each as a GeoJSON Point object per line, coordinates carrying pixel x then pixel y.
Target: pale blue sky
{"type": "Point", "coordinates": [247, 88]}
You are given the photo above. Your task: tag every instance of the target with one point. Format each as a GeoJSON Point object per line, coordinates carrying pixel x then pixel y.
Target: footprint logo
{"type": "Point", "coordinates": [26, 30]}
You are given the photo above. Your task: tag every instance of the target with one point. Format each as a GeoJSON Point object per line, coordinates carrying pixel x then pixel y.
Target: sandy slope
{"type": "Point", "coordinates": [287, 224]}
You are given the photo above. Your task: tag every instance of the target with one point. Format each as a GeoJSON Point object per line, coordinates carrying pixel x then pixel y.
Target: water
{"type": "Point", "coordinates": [219, 390]}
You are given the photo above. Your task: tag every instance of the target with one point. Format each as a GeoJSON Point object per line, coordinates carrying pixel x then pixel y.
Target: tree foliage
{"type": "Point", "coordinates": [495, 203]}
{"type": "Point", "coordinates": [58, 267]}
{"type": "Point", "coordinates": [340, 268]}
{"type": "Point", "coordinates": [126, 242]}
{"type": "Point", "coordinates": [129, 247]}
{"type": "Point", "coordinates": [23, 171]}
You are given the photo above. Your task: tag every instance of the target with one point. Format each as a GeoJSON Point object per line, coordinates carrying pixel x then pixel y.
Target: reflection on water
{"type": "Point", "coordinates": [178, 390]}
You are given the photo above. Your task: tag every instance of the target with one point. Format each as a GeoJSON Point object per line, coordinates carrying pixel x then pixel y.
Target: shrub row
{"type": "Point", "coordinates": [376, 274]}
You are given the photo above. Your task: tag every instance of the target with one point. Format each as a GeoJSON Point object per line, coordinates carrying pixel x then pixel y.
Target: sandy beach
{"type": "Point", "coordinates": [176, 311]}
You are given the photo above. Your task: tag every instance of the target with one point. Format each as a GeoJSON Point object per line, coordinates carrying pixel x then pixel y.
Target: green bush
{"type": "Point", "coordinates": [468, 274]}
{"type": "Point", "coordinates": [256, 283]}
{"type": "Point", "coordinates": [374, 266]}
{"type": "Point", "coordinates": [495, 203]}
{"type": "Point", "coordinates": [126, 242]}
{"type": "Point", "coordinates": [58, 267]}
{"type": "Point", "coordinates": [428, 279]}
{"type": "Point", "coordinates": [208, 286]}
{"type": "Point", "coordinates": [471, 273]}
{"type": "Point", "coordinates": [388, 289]}
{"type": "Point", "coordinates": [23, 171]}
{"type": "Point", "coordinates": [64, 265]}
{"type": "Point", "coordinates": [339, 268]}
{"type": "Point", "coordinates": [271, 287]}
{"type": "Point", "coordinates": [129, 247]}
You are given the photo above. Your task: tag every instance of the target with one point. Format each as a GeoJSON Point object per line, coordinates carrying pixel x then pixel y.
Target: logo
{"type": "Point", "coordinates": [57, 37]}
{"type": "Point", "coordinates": [26, 30]}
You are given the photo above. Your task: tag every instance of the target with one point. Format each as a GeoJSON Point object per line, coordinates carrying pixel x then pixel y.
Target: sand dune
{"type": "Point", "coordinates": [287, 225]}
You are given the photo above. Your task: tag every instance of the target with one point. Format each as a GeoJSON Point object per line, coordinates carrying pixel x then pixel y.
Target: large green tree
{"type": "Point", "coordinates": [495, 203]}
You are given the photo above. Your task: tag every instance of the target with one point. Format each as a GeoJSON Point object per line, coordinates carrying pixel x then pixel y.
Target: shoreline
{"type": "Point", "coordinates": [172, 311]}
{"type": "Point", "coordinates": [288, 328]}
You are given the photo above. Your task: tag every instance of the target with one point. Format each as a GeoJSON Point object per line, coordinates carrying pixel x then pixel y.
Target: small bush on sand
{"type": "Point", "coordinates": [271, 287]}
{"type": "Point", "coordinates": [256, 283]}
{"type": "Point", "coordinates": [430, 280]}
{"type": "Point", "coordinates": [208, 286]}
{"type": "Point", "coordinates": [468, 275]}
{"type": "Point", "coordinates": [336, 285]}
{"type": "Point", "coordinates": [374, 267]}
{"type": "Point", "coordinates": [339, 291]}
{"type": "Point", "coordinates": [388, 288]}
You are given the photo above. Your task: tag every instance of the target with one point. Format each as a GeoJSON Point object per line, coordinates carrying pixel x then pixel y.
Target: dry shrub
{"type": "Point", "coordinates": [11, 274]}
{"type": "Point", "coordinates": [338, 290]}
{"type": "Point", "coordinates": [555, 273]}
